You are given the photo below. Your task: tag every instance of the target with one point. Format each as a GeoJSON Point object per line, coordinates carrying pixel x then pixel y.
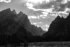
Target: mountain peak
{"type": "Point", "coordinates": [8, 9]}
{"type": "Point", "coordinates": [20, 13]}
{"type": "Point", "coordinates": [14, 11]}
{"type": "Point", "coordinates": [58, 17]}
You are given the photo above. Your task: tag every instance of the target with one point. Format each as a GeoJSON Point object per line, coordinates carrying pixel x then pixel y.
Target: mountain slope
{"type": "Point", "coordinates": [27, 25]}
{"type": "Point", "coordinates": [59, 30]}
{"type": "Point", "coordinates": [11, 31]}
{"type": "Point", "coordinates": [16, 28]}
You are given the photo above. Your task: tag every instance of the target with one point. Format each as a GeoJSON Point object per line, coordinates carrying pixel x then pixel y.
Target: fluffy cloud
{"type": "Point", "coordinates": [45, 27]}
{"type": "Point", "coordinates": [33, 17]}
{"type": "Point", "coordinates": [34, 24]}
{"type": "Point", "coordinates": [6, 1]}
{"type": "Point", "coordinates": [37, 24]}
{"type": "Point", "coordinates": [42, 25]}
{"type": "Point", "coordinates": [64, 1]}
{"type": "Point", "coordinates": [50, 6]}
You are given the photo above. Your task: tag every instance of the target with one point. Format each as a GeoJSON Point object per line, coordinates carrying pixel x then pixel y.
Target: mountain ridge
{"type": "Point", "coordinates": [22, 19]}
{"type": "Point", "coordinates": [59, 30]}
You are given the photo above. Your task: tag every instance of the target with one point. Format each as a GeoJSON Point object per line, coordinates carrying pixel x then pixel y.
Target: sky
{"type": "Point", "coordinates": [40, 12]}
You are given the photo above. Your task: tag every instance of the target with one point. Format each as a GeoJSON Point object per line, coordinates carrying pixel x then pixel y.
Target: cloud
{"type": "Point", "coordinates": [43, 11]}
{"type": "Point", "coordinates": [40, 24]}
{"type": "Point", "coordinates": [6, 1]}
{"type": "Point", "coordinates": [64, 1]}
{"type": "Point", "coordinates": [33, 17]}
{"type": "Point", "coordinates": [50, 6]}
{"type": "Point", "coordinates": [45, 27]}
{"type": "Point", "coordinates": [44, 16]}
{"type": "Point", "coordinates": [36, 24]}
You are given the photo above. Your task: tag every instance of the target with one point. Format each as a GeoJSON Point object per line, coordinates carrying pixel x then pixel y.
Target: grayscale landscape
{"type": "Point", "coordinates": [34, 23]}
